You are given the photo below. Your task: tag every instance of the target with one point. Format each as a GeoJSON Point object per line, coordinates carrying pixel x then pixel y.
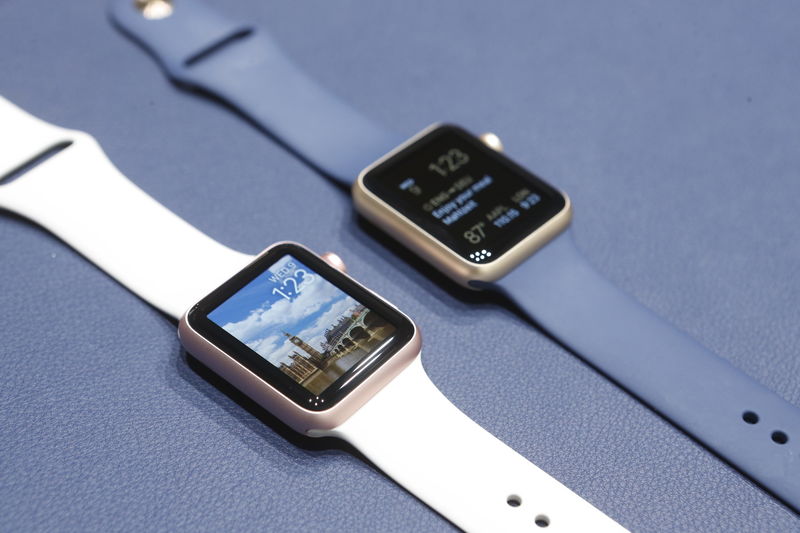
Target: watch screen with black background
{"type": "Point", "coordinates": [302, 324]}
{"type": "Point", "coordinates": [474, 200]}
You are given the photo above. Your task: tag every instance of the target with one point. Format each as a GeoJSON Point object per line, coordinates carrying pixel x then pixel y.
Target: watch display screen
{"type": "Point", "coordinates": [472, 199]}
{"type": "Point", "coordinates": [303, 326]}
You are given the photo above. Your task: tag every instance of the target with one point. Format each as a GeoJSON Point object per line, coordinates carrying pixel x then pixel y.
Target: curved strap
{"type": "Point", "coordinates": [733, 415]}
{"type": "Point", "coordinates": [414, 434]}
{"type": "Point", "coordinates": [243, 66]}
{"type": "Point", "coordinates": [78, 195]}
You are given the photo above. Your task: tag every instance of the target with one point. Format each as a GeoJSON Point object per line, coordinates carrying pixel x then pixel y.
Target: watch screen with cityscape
{"type": "Point", "coordinates": [308, 328]}
{"type": "Point", "coordinates": [475, 201]}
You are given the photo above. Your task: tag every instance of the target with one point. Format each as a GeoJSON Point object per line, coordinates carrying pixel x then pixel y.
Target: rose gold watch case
{"type": "Point", "coordinates": [271, 399]}
{"type": "Point", "coordinates": [437, 254]}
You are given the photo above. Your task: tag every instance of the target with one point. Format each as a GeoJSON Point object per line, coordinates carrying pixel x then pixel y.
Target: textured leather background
{"type": "Point", "coordinates": [673, 126]}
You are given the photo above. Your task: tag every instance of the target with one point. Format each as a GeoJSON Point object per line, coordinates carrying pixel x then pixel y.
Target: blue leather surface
{"type": "Point", "coordinates": [673, 127]}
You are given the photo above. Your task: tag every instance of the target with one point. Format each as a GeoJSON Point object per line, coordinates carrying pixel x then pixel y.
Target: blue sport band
{"type": "Point", "coordinates": [244, 67]}
{"type": "Point", "coordinates": [736, 417]}
{"type": "Point", "coordinates": [744, 422]}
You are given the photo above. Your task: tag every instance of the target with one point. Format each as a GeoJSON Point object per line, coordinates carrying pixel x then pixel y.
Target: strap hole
{"type": "Point", "coordinates": [542, 521]}
{"type": "Point", "coordinates": [779, 437]}
{"type": "Point", "coordinates": [34, 161]}
{"type": "Point", "coordinates": [750, 417]}
{"type": "Point", "coordinates": [514, 500]}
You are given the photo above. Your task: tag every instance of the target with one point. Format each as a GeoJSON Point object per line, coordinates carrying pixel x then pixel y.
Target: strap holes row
{"type": "Point", "coordinates": [778, 436]}
{"type": "Point", "coordinates": [514, 500]}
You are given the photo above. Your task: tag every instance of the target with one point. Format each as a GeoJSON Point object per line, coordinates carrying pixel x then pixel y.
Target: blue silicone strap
{"type": "Point", "coordinates": [243, 66]}
{"type": "Point", "coordinates": [689, 385]}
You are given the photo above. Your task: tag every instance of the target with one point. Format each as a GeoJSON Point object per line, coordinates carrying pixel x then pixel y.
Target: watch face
{"type": "Point", "coordinates": [302, 326]}
{"type": "Point", "coordinates": [472, 199]}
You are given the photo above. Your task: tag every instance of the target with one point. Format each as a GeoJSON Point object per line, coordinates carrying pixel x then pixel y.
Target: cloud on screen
{"type": "Point", "coordinates": [262, 329]}
{"type": "Point", "coordinates": [283, 312]}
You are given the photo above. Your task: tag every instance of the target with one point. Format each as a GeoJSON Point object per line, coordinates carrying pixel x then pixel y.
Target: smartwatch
{"type": "Point", "coordinates": [484, 221]}
{"type": "Point", "coordinates": [290, 329]}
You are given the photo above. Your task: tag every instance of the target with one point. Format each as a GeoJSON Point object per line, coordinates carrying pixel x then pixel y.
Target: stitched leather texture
{"type": "Point", "coordinates": [673, 127]}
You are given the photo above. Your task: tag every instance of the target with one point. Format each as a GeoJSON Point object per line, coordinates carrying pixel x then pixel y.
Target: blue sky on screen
{"type": "Point", "coordinates": [257, 316]}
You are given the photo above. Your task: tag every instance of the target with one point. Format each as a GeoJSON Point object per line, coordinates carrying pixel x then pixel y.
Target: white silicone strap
{"type": "Point", "coordinates": [81, 197]}
{"type": "Point", "coordinates": [422, 441]}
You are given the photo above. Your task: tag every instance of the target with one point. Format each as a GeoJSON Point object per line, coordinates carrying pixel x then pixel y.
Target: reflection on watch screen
{"type": "Point", "coordinates": [475, 201]}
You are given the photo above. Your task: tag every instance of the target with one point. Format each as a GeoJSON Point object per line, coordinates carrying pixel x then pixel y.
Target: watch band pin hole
{"type": "Point", "coordinates": [750, 417]}
{"type": "Point", "coordinates": [542, 521]}
{"type": "Point", "coordinates": [513, 500]}
{"type": "Point", "coordinates": [216, 46]}
{"type": "Point", "coordinates": [779, 437]}
{"type": "Point", "coordinates": [33, 162]}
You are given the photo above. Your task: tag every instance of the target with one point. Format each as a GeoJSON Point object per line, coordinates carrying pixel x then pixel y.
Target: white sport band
{"type": "Point", "coordinates": [422, 441]}
{"type": "Point", "coordinates": [409, 429]}
{"type": "Point", "coordinates": [82, 198]}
